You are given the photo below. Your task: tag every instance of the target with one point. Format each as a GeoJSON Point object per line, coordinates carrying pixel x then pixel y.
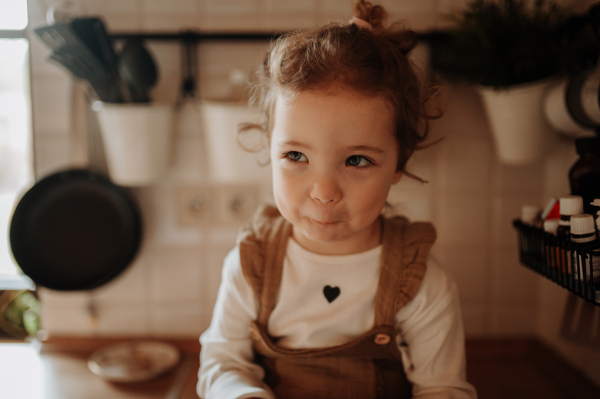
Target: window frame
{"type": "Point", "coordinates": [18, 281]}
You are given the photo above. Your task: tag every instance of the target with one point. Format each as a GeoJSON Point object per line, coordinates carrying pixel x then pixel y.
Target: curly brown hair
{"type": "Point", "coordinates": [372, 62]}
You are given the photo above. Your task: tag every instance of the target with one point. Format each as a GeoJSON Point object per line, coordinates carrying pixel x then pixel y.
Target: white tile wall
{"type": "Point", "coordinates": [66, 321]}
{"type": "Point", "coordinates": [469, 267]}
{"type": "Point", "coordinates": [49, 95]}
{"type": "Point", "coordinates": [407, 9]}
{"type": "Point", "coordinates": [102, 7]}
{"type": "Point", "coordinates": [131, 287]}
{"type": "Point", "coordinates": [292, 7]}
{"type": "Point", "coordinates": [515, 180]}
{"type": "Point", "coordinates": [180, 320]}
{"type": "Point", "coordinates": [510, 280]}
{"type": "Point", "coordinates": [175, 274]}
{"type": "Point", "coordinates": [172, 286]}
{"type": "Point", "coordinates": [464, 218]}
{"type": "Point", "coordinates": [51, 153]}
{"type": "Point", "coordinates": [513, 318]}
{"type": "Point", "coordinates": [338, 7]}
{"type": "Point", "coordinates": [171, 7]}
{"type": "Point", "coordinates": [229, 7]}
{"type": "Point", "coordinates": [476, 318]}
{"type": "Point", "coordinates": [116, 319]}
{"type": "Point", "coordinates": [465, 163]}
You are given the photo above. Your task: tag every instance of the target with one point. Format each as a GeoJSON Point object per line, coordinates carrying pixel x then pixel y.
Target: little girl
{"type": "Point", "coordinates": [323, 297]}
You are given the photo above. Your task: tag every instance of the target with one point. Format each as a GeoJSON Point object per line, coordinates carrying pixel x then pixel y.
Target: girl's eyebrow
{"type": "Point", "coordinates": [366, 148]}
{"type": "Point", "coordinates": [293, 143]}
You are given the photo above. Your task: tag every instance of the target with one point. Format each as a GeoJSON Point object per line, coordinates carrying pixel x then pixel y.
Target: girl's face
{"type": "Point", "coordinates": [334, 160]}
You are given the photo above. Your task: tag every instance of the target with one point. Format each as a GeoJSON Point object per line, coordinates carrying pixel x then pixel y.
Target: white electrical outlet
{"type": "Point", "coordinates": [236, 203]}
{"type": "Point", "coordinates": [196, 205]}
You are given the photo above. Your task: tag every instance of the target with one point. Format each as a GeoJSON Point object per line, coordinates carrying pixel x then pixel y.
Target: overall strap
{"type": "Point", "coordinates": [262, 244]}
{"type": "Point", "coordinates": [406, 247]}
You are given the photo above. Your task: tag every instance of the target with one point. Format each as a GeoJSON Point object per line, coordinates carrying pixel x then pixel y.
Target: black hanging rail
{"type": "Point", "coordinates": [200, 36]}
{"type": "Point", "coordinates": [215, 36]}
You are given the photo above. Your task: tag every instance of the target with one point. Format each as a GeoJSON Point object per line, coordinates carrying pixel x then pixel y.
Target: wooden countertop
{"type": "Point", "coordinates": [57, 369]}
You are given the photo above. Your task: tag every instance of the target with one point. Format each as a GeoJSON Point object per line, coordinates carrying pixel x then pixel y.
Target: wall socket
{"type": "Point", "coordinates": [236, 203]}
{"type": "Point", "coordinates": [219, 204]}
{"type": "Point", "coordinates": [195, 205]}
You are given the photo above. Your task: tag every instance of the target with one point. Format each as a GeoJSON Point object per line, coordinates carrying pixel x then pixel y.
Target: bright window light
{"type": "Point", "coordinates": [15, 138]}
{"type": "Point", "coordinates": [13, 14]}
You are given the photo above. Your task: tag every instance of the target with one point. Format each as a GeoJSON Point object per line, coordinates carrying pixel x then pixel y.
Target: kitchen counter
{"type": "Point", "coordinates": [519, 368]}
{"type": "Point", "coordinates": [57, 369]}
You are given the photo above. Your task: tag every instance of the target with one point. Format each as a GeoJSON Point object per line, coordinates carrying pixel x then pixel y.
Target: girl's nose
{"type": "Point", "coordinates": [325, 190]}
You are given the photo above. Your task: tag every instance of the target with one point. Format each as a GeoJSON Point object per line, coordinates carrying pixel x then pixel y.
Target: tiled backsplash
{"type": "Point", "coordinates": [171, 287]}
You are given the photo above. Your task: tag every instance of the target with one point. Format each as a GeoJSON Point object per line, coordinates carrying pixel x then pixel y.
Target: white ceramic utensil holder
{"type": "Point", "coordinates": [517, 119]}
{"type": "Point", "coordinates": [137, 141]}
{"type": "Point", "coordinates": [229, 162]}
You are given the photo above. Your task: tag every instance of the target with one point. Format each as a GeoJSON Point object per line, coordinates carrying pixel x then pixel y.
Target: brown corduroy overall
{"type": "Point", "coordinates": [370, 366]}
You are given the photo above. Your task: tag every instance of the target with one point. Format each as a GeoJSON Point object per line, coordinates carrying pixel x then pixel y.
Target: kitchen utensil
{"type": "Point", "coordinates": [134, 361]}
{"type": "Point", "coordinates": [65, 44]}
{"type": "Point", "coordinates": [71, 64]}
{"type": "Point", "coordinates": [92, 33]}
{"type": "Point", "coordinates": [110, 57]}
{"type": "Point", "coordinates": [75, 229]}
{"type": "Point", "coordinates": [85, 30]}
{"type": "Point", "coordinates": [81, 69]}
{"type": "Point", "coordinates": [137, 69]}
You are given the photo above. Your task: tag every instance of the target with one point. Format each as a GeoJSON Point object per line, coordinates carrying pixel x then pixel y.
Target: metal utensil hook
{"type": "Point", "coordinates": [189, 64]}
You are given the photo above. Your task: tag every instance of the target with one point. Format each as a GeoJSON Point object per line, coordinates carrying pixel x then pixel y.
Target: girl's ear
{"type": "Point", "coordinates": [397, 176]}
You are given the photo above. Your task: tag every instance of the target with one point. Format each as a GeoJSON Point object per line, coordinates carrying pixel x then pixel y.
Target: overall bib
{"type": "Point", "coordinates": [369, 366]}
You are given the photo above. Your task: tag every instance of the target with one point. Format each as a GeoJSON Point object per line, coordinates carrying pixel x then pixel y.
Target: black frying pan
{"type": "Point", "coordinates": [74, 230]}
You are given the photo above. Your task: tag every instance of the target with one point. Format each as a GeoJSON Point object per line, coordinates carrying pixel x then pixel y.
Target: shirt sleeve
{"type": "Point", "coordinates": [227, 370]}
{"type": "Point", "coordinates": [432, 340]}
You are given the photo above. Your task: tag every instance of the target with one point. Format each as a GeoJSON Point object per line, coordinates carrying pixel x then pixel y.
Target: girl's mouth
{"type": "Point", "coordinates": [324, 223]}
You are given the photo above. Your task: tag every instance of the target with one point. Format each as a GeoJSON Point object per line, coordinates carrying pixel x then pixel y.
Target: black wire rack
{"type": "Point", "coordinates": [567, 263]}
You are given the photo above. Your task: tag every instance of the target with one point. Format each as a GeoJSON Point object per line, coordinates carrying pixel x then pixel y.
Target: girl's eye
{"type": "Point", "coordinates": [296, 156]}
{"type": "Point", "coordinates": [357, 160]}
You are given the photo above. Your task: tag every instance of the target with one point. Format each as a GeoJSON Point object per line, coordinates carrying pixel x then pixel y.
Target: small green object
{"type": "Point", "coordinates": [19, 313]}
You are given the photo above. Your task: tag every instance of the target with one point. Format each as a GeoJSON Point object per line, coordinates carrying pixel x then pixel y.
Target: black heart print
{"type": "Point", "coordinates": [331, 293]}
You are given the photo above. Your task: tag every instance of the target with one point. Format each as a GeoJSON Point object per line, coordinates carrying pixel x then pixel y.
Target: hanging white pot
{"type": "Point", "coordinates": [229, 161]}
{"type": "Point", "coordinates": [521, 132]}
{"type": "Point", "coordinates": [137, 140]}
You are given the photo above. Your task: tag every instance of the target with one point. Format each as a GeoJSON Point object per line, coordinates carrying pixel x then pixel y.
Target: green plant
{"type": "Point", "coordinates": [506, 42]}
{"type": "Point", "coordinates": [19, 313]}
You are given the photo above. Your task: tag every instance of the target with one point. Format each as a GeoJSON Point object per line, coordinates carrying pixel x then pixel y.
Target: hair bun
{"type": "Point", "coordinates": [406, 40]}
{"type": "Point", "coordinates": [375, 15]}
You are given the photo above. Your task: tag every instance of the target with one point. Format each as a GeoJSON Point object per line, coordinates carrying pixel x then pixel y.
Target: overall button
{"type": "Point", "coordinates": [254, 334]}
{"type": "Point", "coordinates": [382, 339]}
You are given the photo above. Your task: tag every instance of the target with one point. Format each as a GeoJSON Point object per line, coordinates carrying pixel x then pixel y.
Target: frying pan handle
{"type": "Point", "coordinates": [79, 149]}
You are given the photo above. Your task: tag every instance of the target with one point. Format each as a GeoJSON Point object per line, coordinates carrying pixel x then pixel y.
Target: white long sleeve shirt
{"type": "Point", "coordinates": [431, 337]}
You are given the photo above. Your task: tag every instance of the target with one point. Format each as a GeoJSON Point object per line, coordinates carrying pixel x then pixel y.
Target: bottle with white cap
{"type": "Point", "coordinates": [583, 231]}
{"type": "Point", "coordinates": [596, 275]}
{"type": "Point", "coordinates": [596, 203]}
{"type": "Point", "coordinates": [531, 214]}
{"type": "Point", "coordinates": [569, 205]}
{"type": "Point", "coordinates": [550, 226]}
